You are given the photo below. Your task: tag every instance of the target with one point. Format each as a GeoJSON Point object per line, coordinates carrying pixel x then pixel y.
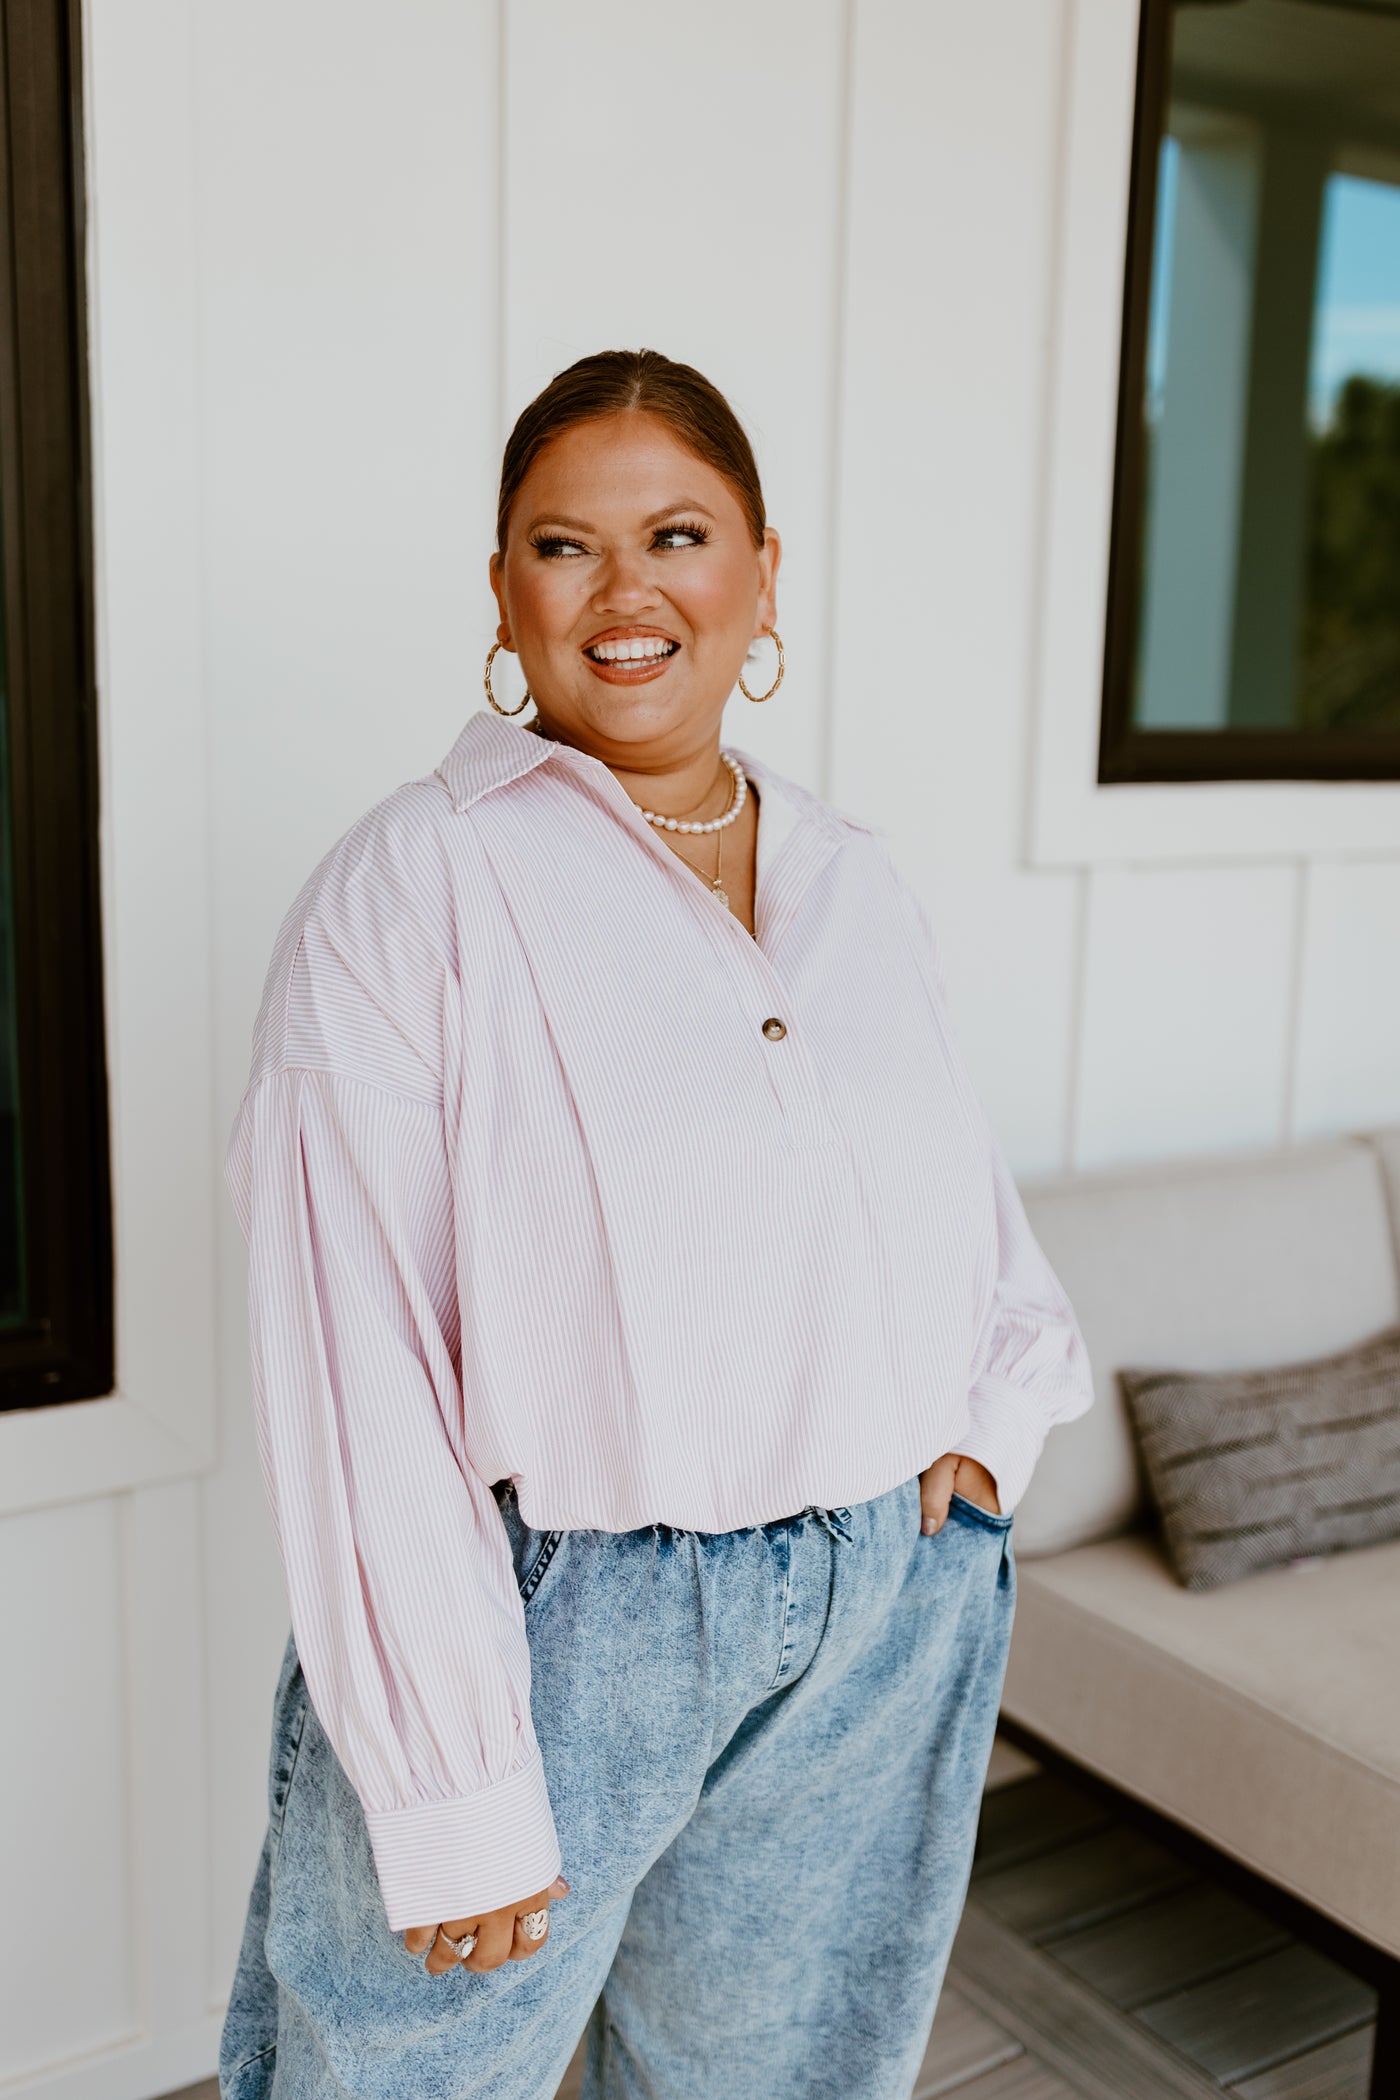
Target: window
{"type": "Point", "coordinates": [55, 1206]}
{"type": "Point", "coordinates": [1254, 585]}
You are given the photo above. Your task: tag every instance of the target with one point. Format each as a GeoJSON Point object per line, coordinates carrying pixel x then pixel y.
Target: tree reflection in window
{"type": "Point", "coordinates": [1350, 674]}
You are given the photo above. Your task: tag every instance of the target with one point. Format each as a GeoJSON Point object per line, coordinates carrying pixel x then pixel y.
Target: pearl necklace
{"type": "Point", "coordinates": [721, 823]}
{"type": "Point", "coordinates": [737, 799]}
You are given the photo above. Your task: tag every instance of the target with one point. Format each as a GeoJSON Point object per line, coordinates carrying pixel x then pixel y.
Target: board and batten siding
{"type": "Point", "coordinates": [330, 253]}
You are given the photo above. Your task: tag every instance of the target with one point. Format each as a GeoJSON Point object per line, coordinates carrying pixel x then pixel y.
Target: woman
{"type": "Point", "coordinates": [649, 1348]}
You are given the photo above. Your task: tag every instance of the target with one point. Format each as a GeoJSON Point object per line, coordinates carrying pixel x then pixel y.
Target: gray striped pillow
{"type": "Point", "coordinates": [1249, 1468]}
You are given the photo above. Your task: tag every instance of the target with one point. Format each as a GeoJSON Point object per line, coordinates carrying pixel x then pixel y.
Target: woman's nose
{"type": "Point", "coordinates": [623, 585]}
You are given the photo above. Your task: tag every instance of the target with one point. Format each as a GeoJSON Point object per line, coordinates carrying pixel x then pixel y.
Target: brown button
{"type": "Point", "coordinates": [774, 1029]}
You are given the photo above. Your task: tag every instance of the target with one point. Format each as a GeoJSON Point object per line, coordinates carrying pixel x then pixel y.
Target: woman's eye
{"type": "Point", "coordinates": [554, 547]}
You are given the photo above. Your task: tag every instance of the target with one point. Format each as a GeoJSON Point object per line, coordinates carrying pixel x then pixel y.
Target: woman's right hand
{"type": "Point", "coordinates": [498, 1934]}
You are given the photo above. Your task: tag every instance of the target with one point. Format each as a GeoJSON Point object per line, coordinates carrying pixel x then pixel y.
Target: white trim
{"type": "Point", "coordinates": [154, 857]}
{"type": "Point", "coordinates": [129, 2071]}
{"type": "Point", "coordinates": [1073, 819]}
{"type": "Point", "coordinates": [54, 1455]}
{"type": "Point", "coordinates": [169, 1800]}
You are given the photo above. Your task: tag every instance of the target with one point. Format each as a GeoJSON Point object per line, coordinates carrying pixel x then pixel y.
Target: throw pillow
{"type": "Point", "coordinates": [1250, 1468]}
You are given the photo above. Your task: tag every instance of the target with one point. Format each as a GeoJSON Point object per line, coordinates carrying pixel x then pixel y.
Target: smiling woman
{"type": "Point", "coordinates": [648, 1354]}
{"type": "Point", "coordinates": [640, 591]}
{"type": "Point", "coordinates": [634, 558]}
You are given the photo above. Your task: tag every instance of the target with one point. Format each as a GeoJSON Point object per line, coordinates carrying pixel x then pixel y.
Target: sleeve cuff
{"type": "Point", "coordinates": [455, 1859]}
{"type": "Point", "coordinates": [1006, 1433]}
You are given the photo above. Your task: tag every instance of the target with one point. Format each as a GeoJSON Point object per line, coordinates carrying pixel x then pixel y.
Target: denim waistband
{"type": "Point", "coordinates": [836, 1521]}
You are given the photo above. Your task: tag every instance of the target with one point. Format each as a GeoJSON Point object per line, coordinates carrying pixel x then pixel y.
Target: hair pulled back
{"type": "Point", "coordinates": [621, 382]}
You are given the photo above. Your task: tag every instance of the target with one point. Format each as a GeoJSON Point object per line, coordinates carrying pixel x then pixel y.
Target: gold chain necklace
{"type": "Point", "coordinates": [716, 886]}
{"type": "Point", "coordinates": [739, 788]}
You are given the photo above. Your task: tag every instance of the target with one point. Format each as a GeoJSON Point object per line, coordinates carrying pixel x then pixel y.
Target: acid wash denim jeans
{"type": "Point", "coordinates": [765, 1752]}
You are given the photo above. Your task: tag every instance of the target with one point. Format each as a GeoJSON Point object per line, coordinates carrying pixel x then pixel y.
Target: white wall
{"type": "Point", "coordinates": [334, 247]}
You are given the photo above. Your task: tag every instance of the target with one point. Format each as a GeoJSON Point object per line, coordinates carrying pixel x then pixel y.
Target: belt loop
{"type": "Point", "coordinates": [836, 1521]}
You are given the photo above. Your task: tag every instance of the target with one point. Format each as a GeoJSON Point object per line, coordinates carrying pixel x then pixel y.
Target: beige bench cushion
{"type": "Point", "coordinates": [1387, 1144]}
{"type": "Point", "coordinates": [1219, 1265]}
{"type": "Point", "coordinates": [1265, 1716]}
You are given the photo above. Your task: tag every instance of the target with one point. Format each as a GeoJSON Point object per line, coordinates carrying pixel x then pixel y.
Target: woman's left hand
{"type": "Point", "coordinates": [972, 1481]}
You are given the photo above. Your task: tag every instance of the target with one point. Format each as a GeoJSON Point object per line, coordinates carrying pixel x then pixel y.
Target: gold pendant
{"type": "Point", "coordinates": [716, 891]}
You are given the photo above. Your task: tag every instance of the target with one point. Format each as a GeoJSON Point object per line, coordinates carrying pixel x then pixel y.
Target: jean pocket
{"type": "Point", "coordinates": [990, 1520]}
{"type": "Point", "coordinates": [532, 1551]}
{"type": "Point", "coordinates": [549, 1543]}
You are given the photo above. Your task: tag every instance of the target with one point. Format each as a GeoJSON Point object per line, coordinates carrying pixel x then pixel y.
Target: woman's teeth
{"type": "Point", "coordinates": [644, 650]}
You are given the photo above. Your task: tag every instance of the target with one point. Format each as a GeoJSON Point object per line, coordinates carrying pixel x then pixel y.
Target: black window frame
{"type": "Point", "coordinates": [64, 1351]}
{"type": "Point", "coordinates": [1127, 753]}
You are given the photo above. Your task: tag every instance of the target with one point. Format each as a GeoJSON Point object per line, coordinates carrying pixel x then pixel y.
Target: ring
{"type": "Point", "coordinates": [462, 1947]}
{"type": "Point", "coordinates": [535, 1924]}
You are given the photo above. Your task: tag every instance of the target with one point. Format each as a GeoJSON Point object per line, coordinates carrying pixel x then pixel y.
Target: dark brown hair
{"type": "Point", "coordinates": [619, 382]}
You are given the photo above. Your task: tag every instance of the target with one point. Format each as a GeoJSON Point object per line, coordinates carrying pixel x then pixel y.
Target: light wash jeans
{"type": "Point", "coordinates": [765, 1752]}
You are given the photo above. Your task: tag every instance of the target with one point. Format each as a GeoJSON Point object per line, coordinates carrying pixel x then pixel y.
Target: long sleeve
{"type": "Point", "coordinates": [1032, 1366]}
{"type": "Point", "coordinates": [404, 1604]}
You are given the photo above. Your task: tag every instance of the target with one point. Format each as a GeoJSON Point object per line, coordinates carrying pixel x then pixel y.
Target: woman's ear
{"type": "Point", "coordinates": [770, 555]}
{"type": "Point", "coordinates": [496, 572]}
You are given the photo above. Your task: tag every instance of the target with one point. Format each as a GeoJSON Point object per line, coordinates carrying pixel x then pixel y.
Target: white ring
{"type": "Point", "coordinates": [535, 1923]}
{"type": "Point", "coordinates": [462, 1947]}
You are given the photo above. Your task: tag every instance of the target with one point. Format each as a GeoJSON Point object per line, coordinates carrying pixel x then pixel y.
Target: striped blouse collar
{"type": "Point", "coordinates": [492, 751]}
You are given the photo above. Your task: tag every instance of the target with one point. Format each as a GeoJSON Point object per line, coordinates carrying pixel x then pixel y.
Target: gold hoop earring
{"type": "Point", "coordinates": [486, 681]}
{"type": "Point", "coordinates": [773, 637]}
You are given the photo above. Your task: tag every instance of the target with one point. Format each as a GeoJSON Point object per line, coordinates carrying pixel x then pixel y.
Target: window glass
{"type": "Point", "coordinates": [13, 1309]}
{"type": "Point", "coordinates": [1351, 640]}
{"type": "Point", "coordinates": [1257, 528]}
{"type": "Point", "coordinates": [56, 1311]}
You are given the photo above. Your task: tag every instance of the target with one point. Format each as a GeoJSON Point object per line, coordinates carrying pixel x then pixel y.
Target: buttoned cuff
{"type": "Point", "coordinates": [456, 1859]}
{"type": "Point", "coordinates": [1006, 1433]}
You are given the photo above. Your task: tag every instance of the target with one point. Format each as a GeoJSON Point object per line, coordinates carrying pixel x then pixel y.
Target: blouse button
{"type": "Point", "coordinates": [774, 1029]}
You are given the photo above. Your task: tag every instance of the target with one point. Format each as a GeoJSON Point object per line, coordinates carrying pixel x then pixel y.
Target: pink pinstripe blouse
{"type": "Point", "coordinates": [530, 1190]}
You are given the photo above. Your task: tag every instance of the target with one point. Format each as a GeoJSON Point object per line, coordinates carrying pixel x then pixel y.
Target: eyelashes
{"type": "Point", "coordinates": [694, 530]}
{"type": "Point", "coordinates": [553, 547]}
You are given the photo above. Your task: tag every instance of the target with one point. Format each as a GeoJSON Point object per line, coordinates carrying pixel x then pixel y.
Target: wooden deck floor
{"type": "Point", "coordinates": [1118, 1974]}
{"type": "Point", "coordinates": [1091, 1965]}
